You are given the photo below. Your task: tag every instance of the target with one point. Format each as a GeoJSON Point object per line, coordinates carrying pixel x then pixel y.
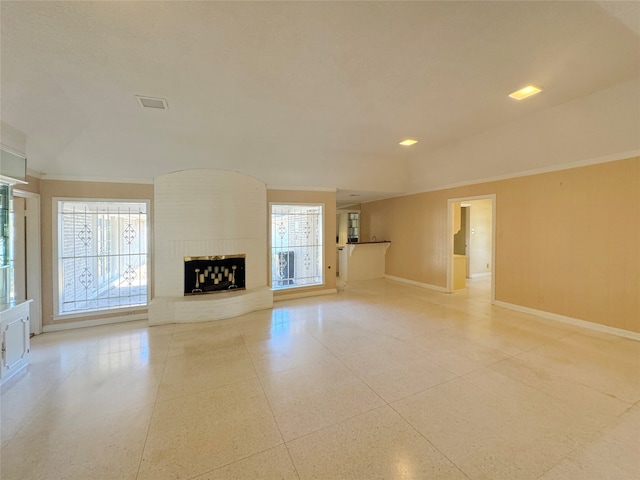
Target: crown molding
{"type": "Point", "coordinates": [535, 171]}
{"type": "Point", "coordinates": [71, 178]}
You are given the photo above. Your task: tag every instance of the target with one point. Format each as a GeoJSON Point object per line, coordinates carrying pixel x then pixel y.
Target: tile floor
{"type": "Point", "coordinates": [383, 380]}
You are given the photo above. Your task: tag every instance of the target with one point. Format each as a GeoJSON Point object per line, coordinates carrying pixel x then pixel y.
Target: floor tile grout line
{"type": "Point", "coordinates": [215, 388]}
{"type": "Point", "coordinates": [234, 462]}
{"type": "Point", "coordinates": [203, 390]}
{"type": "Point", "coordinates": [456, 375]}
{"type": "Point", "coordinates": [153, 409]}
{"type": "Point", "coordinates": [244, 344]}
{"type": "Point", "coordinates": [295, 467]}
{"type": "Point", "coordinates": [362, 380]}
{"type": "Point", "coordinates": [273, 415]}
{"type": "Point", "coordinates": [579, 444]}
{"type": "Point", "coordinates": [222, 385]}
{"type": "Point", "coordinates": [326, 427]}
{"type": "Point", "coordinates": [260, 382]}
{"type": "Point", "coordinates": [352, 371]}
{"type": "Point", "coordinates": [386, 403]}
{"type": "Point", "coordinates": [46, 395]}
{"type": "Point", "coordinates": [566, 457]}
{"type": "Point", "coordinates": [429, 441]}
{"type": "Point", "coordinates": [336, 357]}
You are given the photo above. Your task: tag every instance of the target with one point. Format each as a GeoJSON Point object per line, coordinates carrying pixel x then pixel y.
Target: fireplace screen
{"type": "Point", "coordinates": [213, 274]}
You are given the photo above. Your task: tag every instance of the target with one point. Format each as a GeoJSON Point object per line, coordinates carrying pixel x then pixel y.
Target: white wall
{"type": "Point", "coordinates": [481, 228]}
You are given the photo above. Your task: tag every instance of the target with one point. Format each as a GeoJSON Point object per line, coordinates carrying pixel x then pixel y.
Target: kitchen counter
{"type": "Point", "coordinates": [367, 243]}
{"type": "Point", "coordinates": [362, 261]}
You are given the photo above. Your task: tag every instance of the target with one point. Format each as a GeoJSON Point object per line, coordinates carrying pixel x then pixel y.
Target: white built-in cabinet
{"type": "Point", "coordinates": [15, 339]}
{"type": "Point", "coordinates": [14, 313]}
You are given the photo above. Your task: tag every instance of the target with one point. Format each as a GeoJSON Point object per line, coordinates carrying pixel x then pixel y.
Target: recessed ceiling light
{"type": "Point", "coordinates": [151, 102]}
{"type": "Point", "coordinates": [408, 142]}
{"type": "Point", "coordinates": [525, 92]}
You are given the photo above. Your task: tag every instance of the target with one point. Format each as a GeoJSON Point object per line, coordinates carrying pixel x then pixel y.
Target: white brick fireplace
{"type": "Point", "coordinates": [205, 213]}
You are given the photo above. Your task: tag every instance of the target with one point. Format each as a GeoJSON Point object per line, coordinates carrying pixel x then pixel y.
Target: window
{"type": "Point", "coordinates": [296, 246]}
{"type": "Point", "coordinates": [102, 255]}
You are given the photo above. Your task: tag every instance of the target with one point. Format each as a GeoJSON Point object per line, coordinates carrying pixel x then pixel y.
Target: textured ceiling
{"type": "Point", "coordinates": [297, 94]}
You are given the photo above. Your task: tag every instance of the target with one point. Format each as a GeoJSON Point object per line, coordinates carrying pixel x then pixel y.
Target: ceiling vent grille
{"type": "Point", "coordinates": [151, 102]}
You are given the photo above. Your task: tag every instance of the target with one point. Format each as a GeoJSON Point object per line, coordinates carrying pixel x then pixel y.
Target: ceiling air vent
{"type": "Point", "coordinates": [151, 102]}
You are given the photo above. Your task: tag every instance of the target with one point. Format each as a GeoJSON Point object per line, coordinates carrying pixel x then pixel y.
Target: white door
{"type": "Point", "coordinates": [27, 260]}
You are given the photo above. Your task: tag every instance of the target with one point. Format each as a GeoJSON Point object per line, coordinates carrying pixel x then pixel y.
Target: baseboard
{"type": "Point", "coordinates": [311, 293]}
{"type": "Point", "coordinates": [93, 323]}
{"type": "Point", "coordinates": [417, 284]}
{"type": "Point", "coordinates": [619, 332]}
{"type": "Point", "coordinates": [480, 275]}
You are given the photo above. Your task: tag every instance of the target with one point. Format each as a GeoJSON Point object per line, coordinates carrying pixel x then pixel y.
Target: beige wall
{"type": "Point", "coordinates": [567, 241]}
{"type": "Point", "coordinates": [67, 189]}
{"type": "Point", "coordinates": [328, 199]}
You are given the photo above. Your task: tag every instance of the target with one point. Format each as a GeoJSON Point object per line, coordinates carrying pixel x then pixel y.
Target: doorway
{"type": "Point", "coordinates": [27, 254]}
{"type": "Point", "coordinates": [471, 249]}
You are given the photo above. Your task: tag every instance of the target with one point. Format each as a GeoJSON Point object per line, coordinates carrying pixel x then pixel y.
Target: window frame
{"type": "Point", "coordinates": [322, 246]}
{"type": "Point", "coordinates": [57, 273]}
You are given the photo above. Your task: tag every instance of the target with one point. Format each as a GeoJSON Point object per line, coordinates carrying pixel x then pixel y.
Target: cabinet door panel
{"type": "Point", "coordinates": [15, 340]}
{"type": "Point", "coordinates": [15, 337]}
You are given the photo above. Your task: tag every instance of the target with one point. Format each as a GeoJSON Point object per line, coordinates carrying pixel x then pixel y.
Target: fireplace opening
{"type": "Point", "coordinates": [213, 274]}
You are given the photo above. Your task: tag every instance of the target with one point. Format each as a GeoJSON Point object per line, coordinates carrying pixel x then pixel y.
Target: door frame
{"type": "Point", "coordinates": [467, 237]}
{"type": "Point", "coordinates": [33, 260]}
{"type": "Point", "coordinates": [450, 215]}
